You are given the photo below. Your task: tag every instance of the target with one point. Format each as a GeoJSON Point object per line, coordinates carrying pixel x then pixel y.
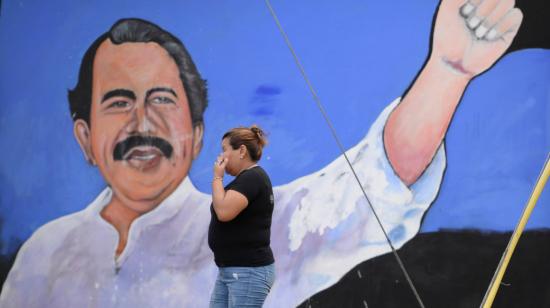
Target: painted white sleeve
{"type": "Point", "coordinates": [26, 282]}
{"type": "Point", "coordinates": [30, 277]}
{"type": "Point", "coordinates": [324, 226]}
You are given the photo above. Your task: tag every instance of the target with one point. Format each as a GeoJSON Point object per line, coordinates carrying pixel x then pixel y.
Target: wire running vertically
{"type": "Point", "coordinates": [340, 146]}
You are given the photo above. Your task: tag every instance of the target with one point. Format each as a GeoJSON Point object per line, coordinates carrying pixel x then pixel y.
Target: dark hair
{"type": "Point", "coordinates": [140, 31]}
{"type": "Point", "coordinates": [253, 138]}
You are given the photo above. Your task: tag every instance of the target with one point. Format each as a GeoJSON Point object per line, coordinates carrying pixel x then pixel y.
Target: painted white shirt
{"type": "Point", "coordinates": [322, 227]}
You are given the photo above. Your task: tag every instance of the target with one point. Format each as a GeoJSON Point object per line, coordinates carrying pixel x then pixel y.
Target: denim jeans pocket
{"type": "Point", "coordinates": [236, 273]}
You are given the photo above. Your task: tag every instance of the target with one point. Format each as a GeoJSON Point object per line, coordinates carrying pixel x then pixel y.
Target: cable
{"type": "Point", "coordinates": [333, 131]}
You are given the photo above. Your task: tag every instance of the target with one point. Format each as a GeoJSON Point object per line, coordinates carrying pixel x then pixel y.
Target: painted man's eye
{"type": "Point", "coordinates": [162, 100]}
{"type": "Point", "coordinates": [119, 104]}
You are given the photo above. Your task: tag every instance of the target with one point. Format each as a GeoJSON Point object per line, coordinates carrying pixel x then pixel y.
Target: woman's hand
{"type": "Point", "coordinates": [219, 166]}
{"type": "Point", "coordinates": [227, 204]}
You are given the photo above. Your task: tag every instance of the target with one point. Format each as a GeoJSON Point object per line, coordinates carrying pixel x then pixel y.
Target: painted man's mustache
{"type": "Point", "coordinates": [126, 145]}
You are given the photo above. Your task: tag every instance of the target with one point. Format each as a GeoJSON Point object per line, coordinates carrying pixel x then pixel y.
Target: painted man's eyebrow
{"type": "Point", "coordinates": [160, 89]}
{"type": "Point", "coordinates": [119, 92]}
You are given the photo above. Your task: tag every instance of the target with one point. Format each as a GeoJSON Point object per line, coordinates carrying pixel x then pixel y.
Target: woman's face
{"type": "Point", "coordinates": [233, 157]}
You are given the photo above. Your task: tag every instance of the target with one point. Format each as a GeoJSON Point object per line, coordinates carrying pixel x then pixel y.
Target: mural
{"type": "Point", "coordinates": [135, 135]}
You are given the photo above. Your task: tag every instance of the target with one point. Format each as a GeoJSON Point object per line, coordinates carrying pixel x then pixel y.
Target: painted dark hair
{"type": "Point", "coordinates": [252, 137]}
{"type": "Point", "coordinates": [140, 31]}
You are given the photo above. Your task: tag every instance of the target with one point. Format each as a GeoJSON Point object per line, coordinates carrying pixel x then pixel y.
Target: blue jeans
{"type": "Point", "coordinates": [242, 286]}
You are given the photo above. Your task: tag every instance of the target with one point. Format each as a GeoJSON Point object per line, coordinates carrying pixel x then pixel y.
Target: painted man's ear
{"type": "Point", "coordinates": [198, 132]}
{"type": "Point", "coordinates": [81, 132]}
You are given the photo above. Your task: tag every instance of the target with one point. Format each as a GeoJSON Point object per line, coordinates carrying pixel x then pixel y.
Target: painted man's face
{"type": "Point", "coordinates": [140, 135]}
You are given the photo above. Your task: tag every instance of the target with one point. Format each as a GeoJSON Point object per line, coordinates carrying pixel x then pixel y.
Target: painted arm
{"type": "Point", "coordinates": [468, 38]}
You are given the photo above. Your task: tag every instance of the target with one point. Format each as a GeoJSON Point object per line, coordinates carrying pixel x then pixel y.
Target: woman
{"type": "Point", "coordinates": [239, 232]}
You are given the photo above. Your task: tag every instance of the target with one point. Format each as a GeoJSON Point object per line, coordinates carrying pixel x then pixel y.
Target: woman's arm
{"type": "Point", "coordinates": [227, 204]}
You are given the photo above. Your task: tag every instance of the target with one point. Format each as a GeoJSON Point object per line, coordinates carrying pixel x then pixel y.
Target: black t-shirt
{"type": "Point", "coordinates": [244, 241]}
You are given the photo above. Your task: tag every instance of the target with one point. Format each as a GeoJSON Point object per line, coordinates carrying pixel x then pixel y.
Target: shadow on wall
{"type": "Point", "coordinates": [11, 247]}
{"type": "Point", "coordinates": [449, 269]}
{"type": "Point", "coordinates": [535, 29]}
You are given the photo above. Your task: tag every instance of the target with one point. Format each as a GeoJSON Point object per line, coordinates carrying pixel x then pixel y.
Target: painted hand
{"type": "Point", "coordinates": [470, 36]}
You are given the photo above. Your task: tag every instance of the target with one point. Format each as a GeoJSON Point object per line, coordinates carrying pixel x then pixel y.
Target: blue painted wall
{"type": "Point", "coordinates": [359, 54]}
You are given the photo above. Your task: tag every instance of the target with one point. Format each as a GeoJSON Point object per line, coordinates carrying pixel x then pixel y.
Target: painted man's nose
{"type": "Point", "coordinates": [141, 122]}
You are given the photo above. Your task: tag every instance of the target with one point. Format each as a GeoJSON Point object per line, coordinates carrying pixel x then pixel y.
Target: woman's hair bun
{"type": "Point", "coordinates": [262, 140]}
{"type": "Point", "coordinates": [253, 137]}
